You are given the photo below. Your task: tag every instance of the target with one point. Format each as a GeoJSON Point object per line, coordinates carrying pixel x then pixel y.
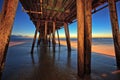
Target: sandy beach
{"type": "Point", "coordinates": [101, 49]}
{"type": "Point", "coordinates": [12, 43]}
{"type": "Point", "coordinates": [60, 65]}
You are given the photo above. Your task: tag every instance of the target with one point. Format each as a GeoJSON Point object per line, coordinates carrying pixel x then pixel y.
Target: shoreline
{"type": "Point", "coordinates": [13, 43]}
{"type": "Point", "coordinates": [100, 49]}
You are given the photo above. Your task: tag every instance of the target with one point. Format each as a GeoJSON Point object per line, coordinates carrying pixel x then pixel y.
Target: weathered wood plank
{"type": "Point", "coordinates": [67, 36]}
{"type": "Point", "coordinates": [80, 33]}
{"type": "Point", "coordinates": [115, 29]}
{"type": "Point", "coordinates": [6, 24]}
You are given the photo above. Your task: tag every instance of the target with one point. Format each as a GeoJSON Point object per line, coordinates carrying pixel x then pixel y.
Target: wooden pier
{"type": "Point", "coordinates": [49, 16]}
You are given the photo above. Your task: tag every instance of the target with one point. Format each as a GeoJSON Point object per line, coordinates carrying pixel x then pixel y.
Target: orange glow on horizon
{"type": "Point", "coordinates": [93, 36]}
{"type": "Point", "coordinates": [72, 35]}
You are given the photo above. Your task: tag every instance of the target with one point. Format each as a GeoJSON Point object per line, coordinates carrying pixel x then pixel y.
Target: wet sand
{"type": "Point", "coordinates": [13, 43]}
{"type": "Point", "coordinates": [45, 64]}
{"type": "Point", "coordinates": [101, 49]}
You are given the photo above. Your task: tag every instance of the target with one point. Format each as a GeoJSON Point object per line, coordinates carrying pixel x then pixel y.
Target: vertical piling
{"type": "Point", "coordinates": [53, 34]}
{"type": "Point", "coordinates": [88, 35]}
{"type": "Point", "coordinates": [49, 39]}
{"type": "Point", "coordinates": [45, 34]}
{"type": "Point", "coordinates": [58, 37]}
{"type": "Point", "coordinates": [39, 39]}
{"type": "Point", "coordinates": [80, 33]}
{"type": "Point", "coordinates": [67, 36]}
{"type": "Point", "coordinates": [6, 24]}
{"type": "Point", "coordinates": [115, 29]}
{"type": "Point", "coordinates": [34, 40]}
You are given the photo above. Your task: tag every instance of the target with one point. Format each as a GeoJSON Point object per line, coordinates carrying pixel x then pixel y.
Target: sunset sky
{"type": "Point", "coordinates": [101, 26]}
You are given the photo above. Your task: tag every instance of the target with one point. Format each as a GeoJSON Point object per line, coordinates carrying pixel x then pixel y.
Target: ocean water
{"type": "Point", "coordinates": [96, 41]}
{"type": "Point", "coordinates": [103, 41]}
{"type": "Point", "coordinates": [19, 38]}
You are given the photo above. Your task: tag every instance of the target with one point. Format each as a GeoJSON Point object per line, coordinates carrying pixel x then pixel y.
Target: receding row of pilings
{"type": "Point", "coordinates": [84, 8]}
{"type": "Point", "coordinates": [45, 35]}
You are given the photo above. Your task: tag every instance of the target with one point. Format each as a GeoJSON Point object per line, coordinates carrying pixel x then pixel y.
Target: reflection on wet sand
{"type": "Point", "coordinates": [52, 65]}
{"type": "Point", "coordinates": [32, 57]}
{"type": "Point", "coordinates": [47, 64]}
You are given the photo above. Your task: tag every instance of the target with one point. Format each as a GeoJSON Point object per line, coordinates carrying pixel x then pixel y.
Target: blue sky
{"type": "Point", "coordinates": [101, 26]}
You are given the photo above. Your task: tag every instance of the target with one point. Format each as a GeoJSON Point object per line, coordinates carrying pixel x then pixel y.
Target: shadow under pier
{"type": "Point", "coordinates": [54, 63]}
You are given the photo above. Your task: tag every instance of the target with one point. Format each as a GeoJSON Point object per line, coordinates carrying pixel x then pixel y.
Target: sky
{"type": "Point", "coordinates": [101, 25]}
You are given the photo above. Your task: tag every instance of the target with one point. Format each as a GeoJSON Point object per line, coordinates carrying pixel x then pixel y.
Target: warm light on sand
{"type": "Point", "coordinates": [102, 49]}
{"type": "Point", "coordinates": [15, 43]}
{"type": "Point", "coordinates": [116, 72]}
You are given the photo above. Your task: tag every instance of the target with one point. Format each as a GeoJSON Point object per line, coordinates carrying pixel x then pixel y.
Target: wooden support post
{"type": "Point", "coordinates": [34, 40]}
{"type": "Point", "coordinates": [45, 34]}
{"type": "Point", "coordinates": [58, 37]}
{"type": "Point", "coordinates": [39, 39]}
{"type": "Point", "coordinates": [38, 29]}
{"type": "Point", "coordinates": [53, 34]}
{"type": "Point", "coordinates": [49, 40]}
{"type": "Point", "coordinates": [6, 24]}
{"type": "Point", "coordinates": [80, 33]}
{"type": "Point", "coordinates": [88, 35]}
{"type": "Point", "coordinates": [115, 29]}
{"type": "Point", "coordinates": [67, 36]}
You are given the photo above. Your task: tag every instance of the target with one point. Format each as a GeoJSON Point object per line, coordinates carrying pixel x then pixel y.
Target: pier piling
{"type": "Point", "coordinates": [115, 29]}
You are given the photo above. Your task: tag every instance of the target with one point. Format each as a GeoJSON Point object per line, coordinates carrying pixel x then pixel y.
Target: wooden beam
{"type": "Point", "coordinates": [6, 25]}
{"type": "Point", "coordinates": [58, 37]}
{"type": "Point", "coordinates": [99, 9]}
{"type": "Point", "coordinates": [88, 35]}
{"type": "Point", "coordinates": [115, 29]}
{"type": "Point", "coordinates": [31, 12]}
{"type": "Point", "coordinates": [48, 20]}
{"type": "Point", "coordinates": [80, 33]}
{"type": "Point", "coordinates": [102, 8]}
{"type": "Point", "coordinates": [34, 40]}
{"type": "Point", "coordinates": [67, 36]}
